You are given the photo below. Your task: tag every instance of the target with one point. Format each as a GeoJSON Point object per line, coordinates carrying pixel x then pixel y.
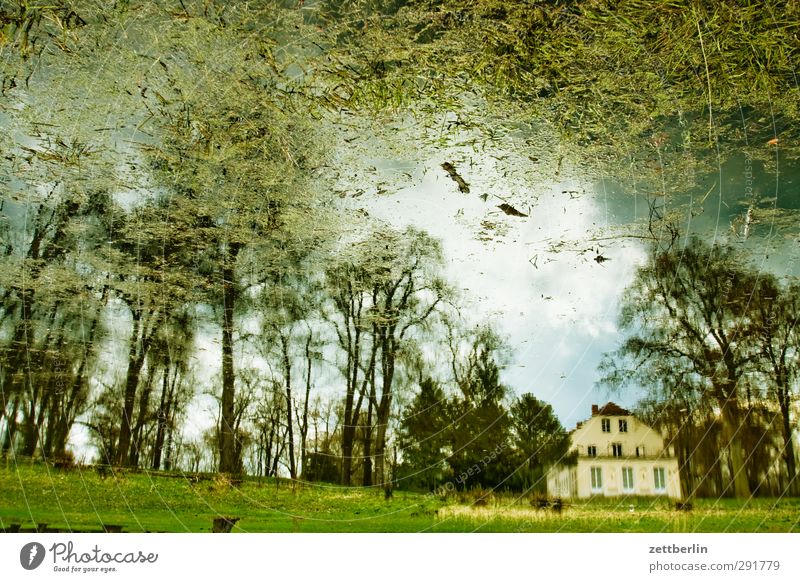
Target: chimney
{"type": "Point", "coordinates": [594, 409]}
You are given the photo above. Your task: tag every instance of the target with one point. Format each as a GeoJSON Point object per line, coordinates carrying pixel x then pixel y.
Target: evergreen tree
{"type": "Point", "coordinates": [539, 440]}
{"type": "Point", "coordinates": [478, 421]}
{"type": "Point", "coordinates": [423, 437]}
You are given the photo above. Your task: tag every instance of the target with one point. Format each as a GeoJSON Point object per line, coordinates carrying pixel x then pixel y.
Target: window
{"type": "Point", "coordinates": [640, 451]}
{"type": "Point", "coordinates": [597, 479]}
{"type": "Point", "coordinates": [623, 425]}
{"type": "Point", "coordinates": [658, 477]}
{"type": "Point", "coordinates": [616, 449]}
{"type": "Point", "coordinates": [627, 479]}
{"type": "Point", "coordinates": [591, 450]}
{"type": "Point", "coordinates": [606, 424]}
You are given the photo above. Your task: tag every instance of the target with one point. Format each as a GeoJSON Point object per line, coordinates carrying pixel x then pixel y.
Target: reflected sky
{"type": "Point", "coordinates": [552, 281]}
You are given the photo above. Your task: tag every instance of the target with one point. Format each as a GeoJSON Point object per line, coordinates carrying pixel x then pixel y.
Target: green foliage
{"type": "Point", "coordinates": [478, 422]}
{"type": "Point", "coordinates": [461, 441]}
{"type": "Point", "coordinates": [423, 438]}
{"type": "Point", "coordinates": [539, 439]}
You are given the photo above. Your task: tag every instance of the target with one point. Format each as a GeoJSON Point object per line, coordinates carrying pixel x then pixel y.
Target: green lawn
{"type": "Point", "coordinates": [83, 500]}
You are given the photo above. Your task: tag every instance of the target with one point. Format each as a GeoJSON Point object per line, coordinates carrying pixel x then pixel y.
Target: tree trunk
{"type": "Point", "coordinates": [731, 431]}
{"type": "Point", "coordinates": [46, 397]}
{"type": "Point", "coordinates": [304, 422]}
{"type": "Point", "coordinates": [279, 446]}
{"type": "Point", "coordinates": [141, 418]}
{"type": "Point", "coordinates": [76, 398]}
{"type": "Point", "coordinates": [54, 418]}
{"type": "Point", "coordinates": [11, 425]}
{"type": "Point", "coordinates": [788, 443]}
{"type": "Point", "coordinates": [367, 477]}
{"type": "Point", "coordinates": [27, 389]}
{"type": "Point", "coordinates": [268, 450]}
{"type": "Point", "coordinates": [170, 441]}
{"type": "Point", "coordinates": [350, 416]}
{"type": "Point", "coordinates": [369, 378]}
{"type": "Point", "coordinates": [33, 418]}
{"type": "Point", "coordinates": [161, 418]}
{"type": "Point", "coordinates": [384, 409]}
{"type": "Point", "coordinates": [40, 390]}
{"type": "Point", "coordinates": [30, 436]}
{"type": "Point", "coordinates": [287, 371]}
{"type": "Point", "coordinates": [135, 362]}
{"type": "Point", "coordinates": [262, 441]}
{"type": "Point", "coordinates": [380, 448]}
{"type": "Point", "coordinates": [228, 463]}
{"type": "Point", "coordinates": [11, 369]}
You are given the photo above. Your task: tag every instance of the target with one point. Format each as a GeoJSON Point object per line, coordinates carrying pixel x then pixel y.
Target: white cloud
{"type": "Point", "coordinates": [539, 278]}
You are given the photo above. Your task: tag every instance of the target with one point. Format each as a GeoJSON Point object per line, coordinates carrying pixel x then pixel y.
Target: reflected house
{"type": "Point", "coordinates": [617, 455]}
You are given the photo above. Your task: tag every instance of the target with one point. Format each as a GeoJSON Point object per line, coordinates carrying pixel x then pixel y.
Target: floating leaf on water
{"type": "Point", "coordinates": [463, 187]}
{"type": "Point", "coordinates": [510, 210]}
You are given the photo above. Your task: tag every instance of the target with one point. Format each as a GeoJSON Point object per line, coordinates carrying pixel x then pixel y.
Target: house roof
{"type": "Point", "coordinates": [610, 409]}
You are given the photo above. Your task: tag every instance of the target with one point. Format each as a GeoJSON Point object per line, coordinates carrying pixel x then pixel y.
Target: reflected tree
{"type": "Point", "coordinates": [775, 329]}
{"type": "Point", "coordinates": [539, 439]}
{"type": "Point", "coordinates": [688, 309]}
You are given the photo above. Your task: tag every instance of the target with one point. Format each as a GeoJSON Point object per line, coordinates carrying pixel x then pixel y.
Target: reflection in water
{"type": "Point", "coordinates": [552, 280]}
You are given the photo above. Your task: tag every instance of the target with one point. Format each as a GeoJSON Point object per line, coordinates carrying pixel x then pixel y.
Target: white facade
{"type": "Point", "coordinates": [618, 455]}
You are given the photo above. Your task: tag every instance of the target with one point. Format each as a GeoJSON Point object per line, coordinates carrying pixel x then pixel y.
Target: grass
{"type": "Point", "coordinates": [629, 516]}
{"type": "Point", "coordinates": [82, 500]}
